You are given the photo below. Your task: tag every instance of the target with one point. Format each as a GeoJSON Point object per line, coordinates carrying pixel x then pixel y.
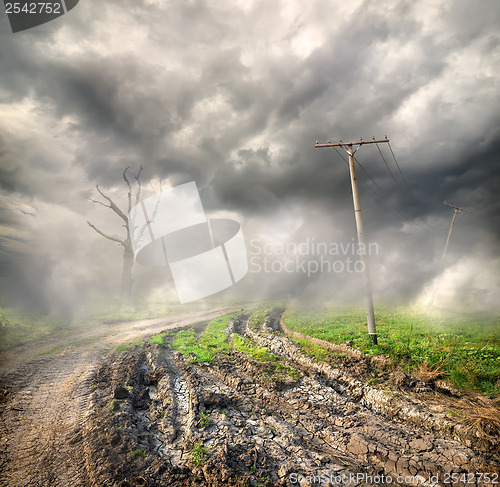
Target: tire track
{"type": "Point", "coordinates": [45, 403]}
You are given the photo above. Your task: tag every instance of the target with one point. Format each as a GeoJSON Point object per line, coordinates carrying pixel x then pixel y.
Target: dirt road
{"type": "Point", "coordinates": [45, 397]}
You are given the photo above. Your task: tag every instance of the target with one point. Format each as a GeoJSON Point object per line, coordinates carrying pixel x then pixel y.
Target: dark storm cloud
{"type": "Point", "coordinates": [234, 96]}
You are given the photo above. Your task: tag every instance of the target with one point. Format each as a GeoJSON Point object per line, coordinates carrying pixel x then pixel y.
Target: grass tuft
{"type": "Point", "coordinates": [214, 340]}
{"type": "Point", "coordinates": [159, 339]}
{"type": "Point", "coordinates": [205, 347]}
{"type": "Point", "coordinates": [199, 455]}
{"type": "Point", "coordinates": [204, 419]}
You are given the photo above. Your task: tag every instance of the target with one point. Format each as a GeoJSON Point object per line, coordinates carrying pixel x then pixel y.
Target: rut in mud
{"type": "Point", "coordinates": [147, 417]}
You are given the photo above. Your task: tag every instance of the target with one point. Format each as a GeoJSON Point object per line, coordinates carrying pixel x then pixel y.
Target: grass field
{"type": "Point", "coordinates": [214, 341]}
{"type": "Point", "coordinates": [205, 346]}
{"type": "Point", "coordinates": [466, 350]}
{"type": "Point", "coordinates": [18, 328]}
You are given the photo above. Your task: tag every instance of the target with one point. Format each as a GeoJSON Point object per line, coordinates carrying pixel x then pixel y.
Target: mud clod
{"type": "Point", "coordinates": [121, 393]}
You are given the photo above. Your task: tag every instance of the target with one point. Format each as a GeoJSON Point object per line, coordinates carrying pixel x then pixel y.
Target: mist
{"type": "Point", "coordinates": [233, 97]}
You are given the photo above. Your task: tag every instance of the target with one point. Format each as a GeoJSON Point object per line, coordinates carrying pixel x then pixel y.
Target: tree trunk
{"type": "Point", "coordinates": [128, 263]}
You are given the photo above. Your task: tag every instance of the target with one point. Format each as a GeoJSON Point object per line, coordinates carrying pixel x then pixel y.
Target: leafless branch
{"type": "Point", "coordinates": [109, 237]}
{"type": "Point", "coordinates": [113, 206]}
{"type": "Point", "coordinates": [129, 189]}
{"type": "Point", "coordinates": [139, 184]}
{"type": "Point", "coordinates": [99, 202]}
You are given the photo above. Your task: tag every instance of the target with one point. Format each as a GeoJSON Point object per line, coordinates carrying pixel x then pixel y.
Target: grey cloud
{"type": "Point", "coordinates": [209, 92]}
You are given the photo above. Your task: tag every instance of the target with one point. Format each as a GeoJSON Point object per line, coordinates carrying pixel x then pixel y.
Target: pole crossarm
{"type": "Point", "coordinates": [457, 208]}
{"type": "Point", "coordinates": [349, 144]}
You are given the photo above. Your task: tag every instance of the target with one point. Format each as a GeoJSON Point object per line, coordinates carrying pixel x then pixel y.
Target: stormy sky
{"type": "Point", "coordinates": [233, 95]}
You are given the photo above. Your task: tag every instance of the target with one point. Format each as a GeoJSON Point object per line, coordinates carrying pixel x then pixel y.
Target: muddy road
{"type": "Point", "coordinates": [44, 400]}
{"type": "Point", "coordinates": [93, 416]}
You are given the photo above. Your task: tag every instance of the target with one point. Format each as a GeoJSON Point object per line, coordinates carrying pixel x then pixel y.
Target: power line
{"type": "Point", "coordinates": [380, 193]}
{"type": "Point", "coordinates": [409, 192]}
{"type": "Point", "coordinates": [400, 172]}
{"type": "Point", "coordinates": [389, 169]}
{"type": "Point", "coordinates": [384, 195]}
{"type": "Point", "coordinates": [457, 210]}
{"type": "Point", "coordinates": [370, 178]}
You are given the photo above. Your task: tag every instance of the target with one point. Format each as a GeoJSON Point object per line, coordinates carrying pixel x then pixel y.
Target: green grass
{"type": "Point", "coordinates": [199, 455]}
{"type": "Point", "coordinates": [259, 315]}
{"type": "Point", "coordinates": [113, 312]}
{"type": "Point", "coordinates": [204, 419]}
{"type": "Point", "coordinates": [262, 355]}
{"type": "Point", "coordinates": [207, 345]}
{"type": "Point", "coordinates": [246, 346]}
{"type": "Point", "coordinates": [160, 338]}
{"type": "Point", "coordinates": [464, 348]}
{"type": "Point", "coordinates": [204, 348]}
{"type": "Point", "coordinates": [319, 353]}
{"type": "Point", "coordinates": [18, 328]}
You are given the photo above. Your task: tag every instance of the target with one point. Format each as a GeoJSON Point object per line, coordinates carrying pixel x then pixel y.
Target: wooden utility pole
{"type": "Point", "coordinates": [349, 148]}
{"type": "Point", "coordinates": [457, 209]}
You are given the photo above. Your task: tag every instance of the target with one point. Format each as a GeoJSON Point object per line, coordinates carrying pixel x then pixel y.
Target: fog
{"type": "Point", "coordinates": [233, 96]}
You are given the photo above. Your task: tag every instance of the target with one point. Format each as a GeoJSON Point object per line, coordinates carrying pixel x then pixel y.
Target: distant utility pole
{"type": "Point", "coordinates": [457, 210]}
{"type": "Point", "coordinates": [349, 148]}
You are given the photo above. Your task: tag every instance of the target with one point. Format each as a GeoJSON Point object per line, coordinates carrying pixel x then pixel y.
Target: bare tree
{"type": "Point", "coordinates": [126, 243]}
